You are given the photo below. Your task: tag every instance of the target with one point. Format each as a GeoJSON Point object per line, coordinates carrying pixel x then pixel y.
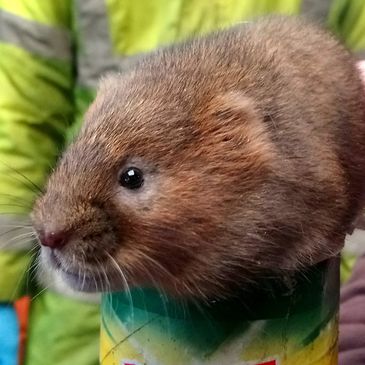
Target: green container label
{"type": "Point", "coordinates": [275, 326]}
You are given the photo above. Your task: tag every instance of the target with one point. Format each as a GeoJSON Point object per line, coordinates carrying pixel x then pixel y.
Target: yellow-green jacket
{"type": "Point", "coordinates": [51, 56]}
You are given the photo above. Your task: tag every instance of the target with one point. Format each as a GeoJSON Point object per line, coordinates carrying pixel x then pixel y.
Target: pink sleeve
{"type": "Point", "coordinates": [352, 312]}
{"type": "Point", "coordinates": [352, 318]}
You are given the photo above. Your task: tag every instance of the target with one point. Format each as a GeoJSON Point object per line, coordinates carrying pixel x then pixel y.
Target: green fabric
{"type": "Point", "coordinates": [348, 262]}
{"type": "Point", "coordinates": [62, 331]}
{"type": "Point", "coordinates": [36, 108]}
{"type": "Point", "coordinates": [140, 26]}
{"type": "Point", "coordinates": [55, 13]}
{"type": "Point", "coordinates": [347, 20]}
{"type": "Point", "coordinates": [83, 99]}
{"type": "Point", "coordinates": [13, 279]}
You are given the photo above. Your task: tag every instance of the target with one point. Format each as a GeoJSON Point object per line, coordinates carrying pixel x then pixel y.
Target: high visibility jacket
{"type": "Point", "coordinates": [51, 56]}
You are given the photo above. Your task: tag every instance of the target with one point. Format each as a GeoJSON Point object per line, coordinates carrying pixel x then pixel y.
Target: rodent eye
{"type": "Point", "coordinates": [131, 178]}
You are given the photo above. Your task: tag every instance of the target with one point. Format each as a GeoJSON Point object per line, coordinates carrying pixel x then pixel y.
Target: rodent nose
{"type": "Point", "coordinates": [53, 239]}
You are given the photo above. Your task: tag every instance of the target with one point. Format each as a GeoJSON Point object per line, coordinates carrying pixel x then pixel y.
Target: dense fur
{"type": "Point", "coordinates": [252, 141]}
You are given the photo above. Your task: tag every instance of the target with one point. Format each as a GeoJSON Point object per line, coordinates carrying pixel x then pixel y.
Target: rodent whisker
{"type": "Point", "coordinates": [83, 271]}
{"type": "Point", "coordinates": [33, 268]}
{"type": "Point", "coordinates": [100, 270]}
{"type": "Point", "coordinates": [79, 273]}
{"type": "Point", "coordinates": [15, 228]}
{"type": "Point", "coordinates": [156, 286]}
{"type": "Point", "coordinates": [27, 234]}
{"type": "Point", "coordinates": [98, 277]}
{"type": "Point", "coordinates": [33, 250]}
{"type": "Point", "coordinates": [8, 213]}
{"type": "Point", "coordinates": [165, 272]}
{"type": "Point", "coordinates": [19, 239]}
{"type": "Point", "coordinates": [73, 259]}
{"type": "Point", "coordinates": [107, 281]}
{"type": "Point", "coordinates": [17, 199]}
{"type": "Point", "coordinates": [119, 271]}
{"type": "Point", "coordinates": [40, 292]}
{"type": "Point", "coordinates": [95, 281]}
{"type": "Point", "coordinates": [15, 205]}
{"type": "Point", "coordinates": [27, 182]}
{"type": "Point", "coordinates": [156, 264]}
{"type": "Point", "coordinates": [83, 281]}
{"type": "Point", "coordinates": [23, 274]}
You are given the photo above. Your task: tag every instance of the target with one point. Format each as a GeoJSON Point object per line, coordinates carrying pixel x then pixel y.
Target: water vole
{"type": "Point", "coordinates": [211, 164]}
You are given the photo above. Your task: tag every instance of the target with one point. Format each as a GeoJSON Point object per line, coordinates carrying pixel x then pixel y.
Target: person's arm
{"type": "Point", "coordinates": [36, 106]}
{"type": "Point", "coordinates": [352, 318]}
{"type": "Point", "coordinates": [352, 305]}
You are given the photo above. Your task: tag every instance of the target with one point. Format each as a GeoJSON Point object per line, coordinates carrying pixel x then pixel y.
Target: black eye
{"type": "Point", "coordinates": [131, 178]}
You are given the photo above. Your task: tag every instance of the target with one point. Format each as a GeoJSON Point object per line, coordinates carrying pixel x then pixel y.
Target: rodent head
{"type": "Point", "coordinates": [181, 179]}
{"type": "Point", "coordinates": [187, 220]}
{"type": "Point", "coordinates": [171, 183]}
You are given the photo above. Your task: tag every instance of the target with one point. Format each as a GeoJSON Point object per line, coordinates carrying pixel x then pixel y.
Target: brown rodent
{"type": "Point", "coordinates": [212, 164]}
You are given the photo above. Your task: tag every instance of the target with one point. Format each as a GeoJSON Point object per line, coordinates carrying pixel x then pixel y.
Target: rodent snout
{"type": "Point", "coordinates": [53, 239]}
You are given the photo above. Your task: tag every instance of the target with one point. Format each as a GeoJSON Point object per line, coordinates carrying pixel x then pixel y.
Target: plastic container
{"type": "Point", "coordinates": [272, 326]}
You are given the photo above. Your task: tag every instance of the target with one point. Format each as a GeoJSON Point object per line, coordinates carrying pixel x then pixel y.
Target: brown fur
{"type": "Point", "coordinates": [252, 141]}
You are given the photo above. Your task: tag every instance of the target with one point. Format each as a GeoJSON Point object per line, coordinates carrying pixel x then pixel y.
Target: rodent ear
{"type": "Point", "coordinates": [239, 121]}
{"type": "Point", "coordinates": [233, 105]}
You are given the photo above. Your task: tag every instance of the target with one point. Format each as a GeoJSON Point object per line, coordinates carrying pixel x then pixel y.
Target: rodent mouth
{"type": "Point", "coordinates": [81, 280]}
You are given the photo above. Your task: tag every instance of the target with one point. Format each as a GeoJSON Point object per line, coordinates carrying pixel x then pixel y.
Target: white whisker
{"type": "Point", "coordinates": [124, 279]}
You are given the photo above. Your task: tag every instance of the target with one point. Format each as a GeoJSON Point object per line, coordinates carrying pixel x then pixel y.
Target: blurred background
{"type": "Point", "coordinates": [52, 53]}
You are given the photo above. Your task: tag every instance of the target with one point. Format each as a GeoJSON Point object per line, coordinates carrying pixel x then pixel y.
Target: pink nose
{"type": "Point", "coordinates": [53, 239]}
